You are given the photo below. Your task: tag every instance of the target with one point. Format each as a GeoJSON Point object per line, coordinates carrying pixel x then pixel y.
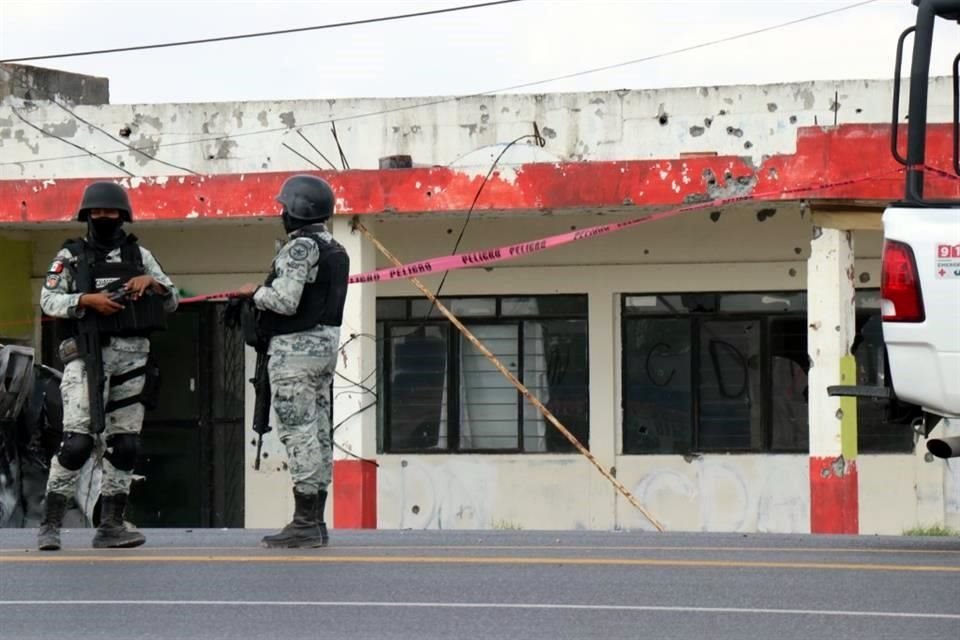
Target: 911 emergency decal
{"type": "Point", "coordinates": [948, 261]}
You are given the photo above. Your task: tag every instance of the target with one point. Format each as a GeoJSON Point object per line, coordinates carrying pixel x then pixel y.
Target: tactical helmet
{"type": "Point", "coordinates": [105, 195]}
{"type": "Point", "coordinates": [307, 198]}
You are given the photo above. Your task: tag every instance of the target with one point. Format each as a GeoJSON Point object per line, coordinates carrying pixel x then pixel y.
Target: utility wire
{"type": "Point", "coordinates": [65, 141]}
{"type": "Point", "coordinates": [116, 139]}
{"type": "Point", "coordinates": [540, 142]}
{"type": "Point", "coordinates": [525, 85]}
{"type": "Point", "coordinates": [314, 147]}
{"type": "Point", "coordinates": [261, 34]}
{"type": "Point", "coordinates": [673, 52]}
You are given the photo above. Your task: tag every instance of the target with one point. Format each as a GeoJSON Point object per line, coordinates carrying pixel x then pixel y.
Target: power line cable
{"type": "Point", "coordinates": [262, 34]}
{"type": "Point", "coordinates": [445, 100]}
{"type": "Point", "coordinates": [540, 142]}
{"type": "Point", "coordinates": [116, 139]}
{"type": "Point", "coordinates": [694, 47]}
{"type": "Point", "coordinates": [65, 141]}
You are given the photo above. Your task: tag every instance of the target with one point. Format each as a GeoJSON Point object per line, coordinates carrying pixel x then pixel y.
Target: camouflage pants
{"type": "Point", "coordinates": [76, 416]}
{"type": "Point", "coordinates": [301, 400]}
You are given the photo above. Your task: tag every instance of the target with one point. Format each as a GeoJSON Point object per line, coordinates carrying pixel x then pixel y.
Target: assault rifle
{"type": "Point", "coordinates": [261, 406]}
{"type": "Point", "coordinates": [87, 343]}
{"type": "Point", "coordinates": [242, 313]}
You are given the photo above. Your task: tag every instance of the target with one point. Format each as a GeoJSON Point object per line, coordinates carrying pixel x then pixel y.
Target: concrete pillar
{"type": "Point", "coordinates": [834, 506]}
{"type": "Point", "coordinates": [354, 490]}
{"type": "Point", "coordinates": [603, 498]}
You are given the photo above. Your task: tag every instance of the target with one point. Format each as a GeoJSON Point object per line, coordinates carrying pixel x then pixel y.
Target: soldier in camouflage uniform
{"type": "Point", "coordinates": [104, 207]}
{"type": "Point", "coordinates": [301, 308]}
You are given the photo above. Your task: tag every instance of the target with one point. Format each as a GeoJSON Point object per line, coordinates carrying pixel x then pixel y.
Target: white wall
{"type": "Point", "coordinates": [248, 137]}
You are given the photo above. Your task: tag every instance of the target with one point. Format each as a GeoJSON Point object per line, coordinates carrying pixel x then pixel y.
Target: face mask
{"type": "Point", "coordinates": [291, 224]}
{"type": "Point", "coordinates": [287, 222]}
{"type": "Point", "coordinates": [104, 230]}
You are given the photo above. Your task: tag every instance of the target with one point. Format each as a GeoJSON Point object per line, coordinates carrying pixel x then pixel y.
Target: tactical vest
{"type": "Point", "coordinates": [322, 301]}
{"type": "Point", "coordinates": [139, 318]}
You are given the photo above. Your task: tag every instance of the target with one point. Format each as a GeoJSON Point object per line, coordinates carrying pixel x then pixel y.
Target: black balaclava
{"type": "Point", "coordinates": [291, 224]}
{"type": "Point", "coordinates": [106, 232]}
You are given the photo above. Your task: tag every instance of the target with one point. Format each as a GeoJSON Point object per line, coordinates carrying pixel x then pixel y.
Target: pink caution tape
{"type": "Point", "coordinates": [511, 251]}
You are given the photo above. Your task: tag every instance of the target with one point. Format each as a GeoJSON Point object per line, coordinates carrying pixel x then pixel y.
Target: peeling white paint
{"type": "Point", "coordinates": [508, 175]}
{"type": "Point", "coordinates": [626, 134]}
{"type": "Point", "coordinates": [192, 214]}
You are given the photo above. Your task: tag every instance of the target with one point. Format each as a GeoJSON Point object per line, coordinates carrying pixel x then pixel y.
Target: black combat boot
{"type": "Point", "coordinates": [304, 530]}
{"type": "Point", "coordinates": [48, 538]}
{"type": "Point", "coordinates": [112, 532]}
{"type": "Point", "coordinates": [321, 507]}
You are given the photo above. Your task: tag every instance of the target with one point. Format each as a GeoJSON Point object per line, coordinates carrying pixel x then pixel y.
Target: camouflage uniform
{"type": "Point", "coordinates": [301, 366]}
{"type": "Point", "coordinates": [59, 299]}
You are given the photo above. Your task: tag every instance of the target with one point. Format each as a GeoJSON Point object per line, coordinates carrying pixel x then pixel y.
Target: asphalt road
{"type": "Point", "coordinates": [530, 585]}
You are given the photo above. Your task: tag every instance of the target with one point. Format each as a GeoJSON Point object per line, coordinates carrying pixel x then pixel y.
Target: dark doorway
{"type": "Point", "coordinates": [192, 449]}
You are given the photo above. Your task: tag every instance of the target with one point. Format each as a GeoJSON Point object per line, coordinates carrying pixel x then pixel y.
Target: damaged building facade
{"type": "Point", "coordinates": [691, 353]}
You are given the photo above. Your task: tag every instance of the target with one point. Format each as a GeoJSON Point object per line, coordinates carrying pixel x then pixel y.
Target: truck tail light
{"type": "Point", "coordinates": [900, 284]}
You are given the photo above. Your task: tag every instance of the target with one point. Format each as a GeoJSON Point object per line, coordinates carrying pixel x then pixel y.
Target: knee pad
{"type": "Point", "coordinates": [122, 450]}
{"type": "Point", "coordinates": [74, 450]}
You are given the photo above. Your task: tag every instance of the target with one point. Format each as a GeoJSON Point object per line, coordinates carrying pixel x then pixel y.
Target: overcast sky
{"type": "Point", "coordinates": [467, 52]}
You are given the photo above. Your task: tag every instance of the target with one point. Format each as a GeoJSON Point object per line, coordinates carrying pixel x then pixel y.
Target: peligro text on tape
{"type": "Point", "coordinates": [487, 256]}
{"type": "Point", "coordinates": [511, 251]}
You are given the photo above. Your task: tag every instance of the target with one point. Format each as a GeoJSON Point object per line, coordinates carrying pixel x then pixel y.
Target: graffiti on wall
{"type": "Point", "coordinates": [725, 494]}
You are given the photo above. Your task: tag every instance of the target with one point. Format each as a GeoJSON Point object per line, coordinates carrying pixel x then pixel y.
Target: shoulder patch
{"type": "Point", "coordinates": [53, 279]}
{"type": "Point", "coordinates": [56, 267]}
{"type": "Point", "coordinates": [299, 251]}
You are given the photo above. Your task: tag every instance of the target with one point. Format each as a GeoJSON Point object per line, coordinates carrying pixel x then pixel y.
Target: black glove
{"type": "Point", "coordinates": [231, 315]}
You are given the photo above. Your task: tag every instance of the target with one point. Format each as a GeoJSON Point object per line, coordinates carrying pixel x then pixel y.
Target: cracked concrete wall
{"type": "Point", "coordinates": [245, 137]}
{"type": "Point", "coordinates": [38, 83]}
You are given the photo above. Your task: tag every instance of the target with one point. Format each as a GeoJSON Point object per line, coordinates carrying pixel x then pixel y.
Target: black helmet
{"type": "Point", "coordinates": [307, 198]}
{"type": "Point", "coordinates": [105, 195]}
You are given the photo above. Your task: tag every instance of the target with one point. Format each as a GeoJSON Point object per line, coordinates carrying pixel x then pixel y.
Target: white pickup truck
{"type": "Point", "coordinates": [921, 314]}
{"type": "Point", "coordinates": [921, 260]}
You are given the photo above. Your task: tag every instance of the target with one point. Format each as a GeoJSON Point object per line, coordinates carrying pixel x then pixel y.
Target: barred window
{"type": "Point", "coordinates": [441, 394]}
{"type": "Point", "coordinates": [719, 372]}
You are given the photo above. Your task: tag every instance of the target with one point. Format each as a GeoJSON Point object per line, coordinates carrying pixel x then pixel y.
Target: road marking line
{"type": "Point", "coordinates": [266, 558]}
{"type": "Point", "coordinates": [488, 605]}
{"type": "Point", "coordinates": [555, 547]}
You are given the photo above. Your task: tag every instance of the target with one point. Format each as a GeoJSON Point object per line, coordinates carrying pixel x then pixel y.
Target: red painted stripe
{"type": "Point", "coordinates": [834, 496]}
{"type": "Point", "coordinates": [823, 155]}
{"type": "Point", "coordinates": [354, 494]}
